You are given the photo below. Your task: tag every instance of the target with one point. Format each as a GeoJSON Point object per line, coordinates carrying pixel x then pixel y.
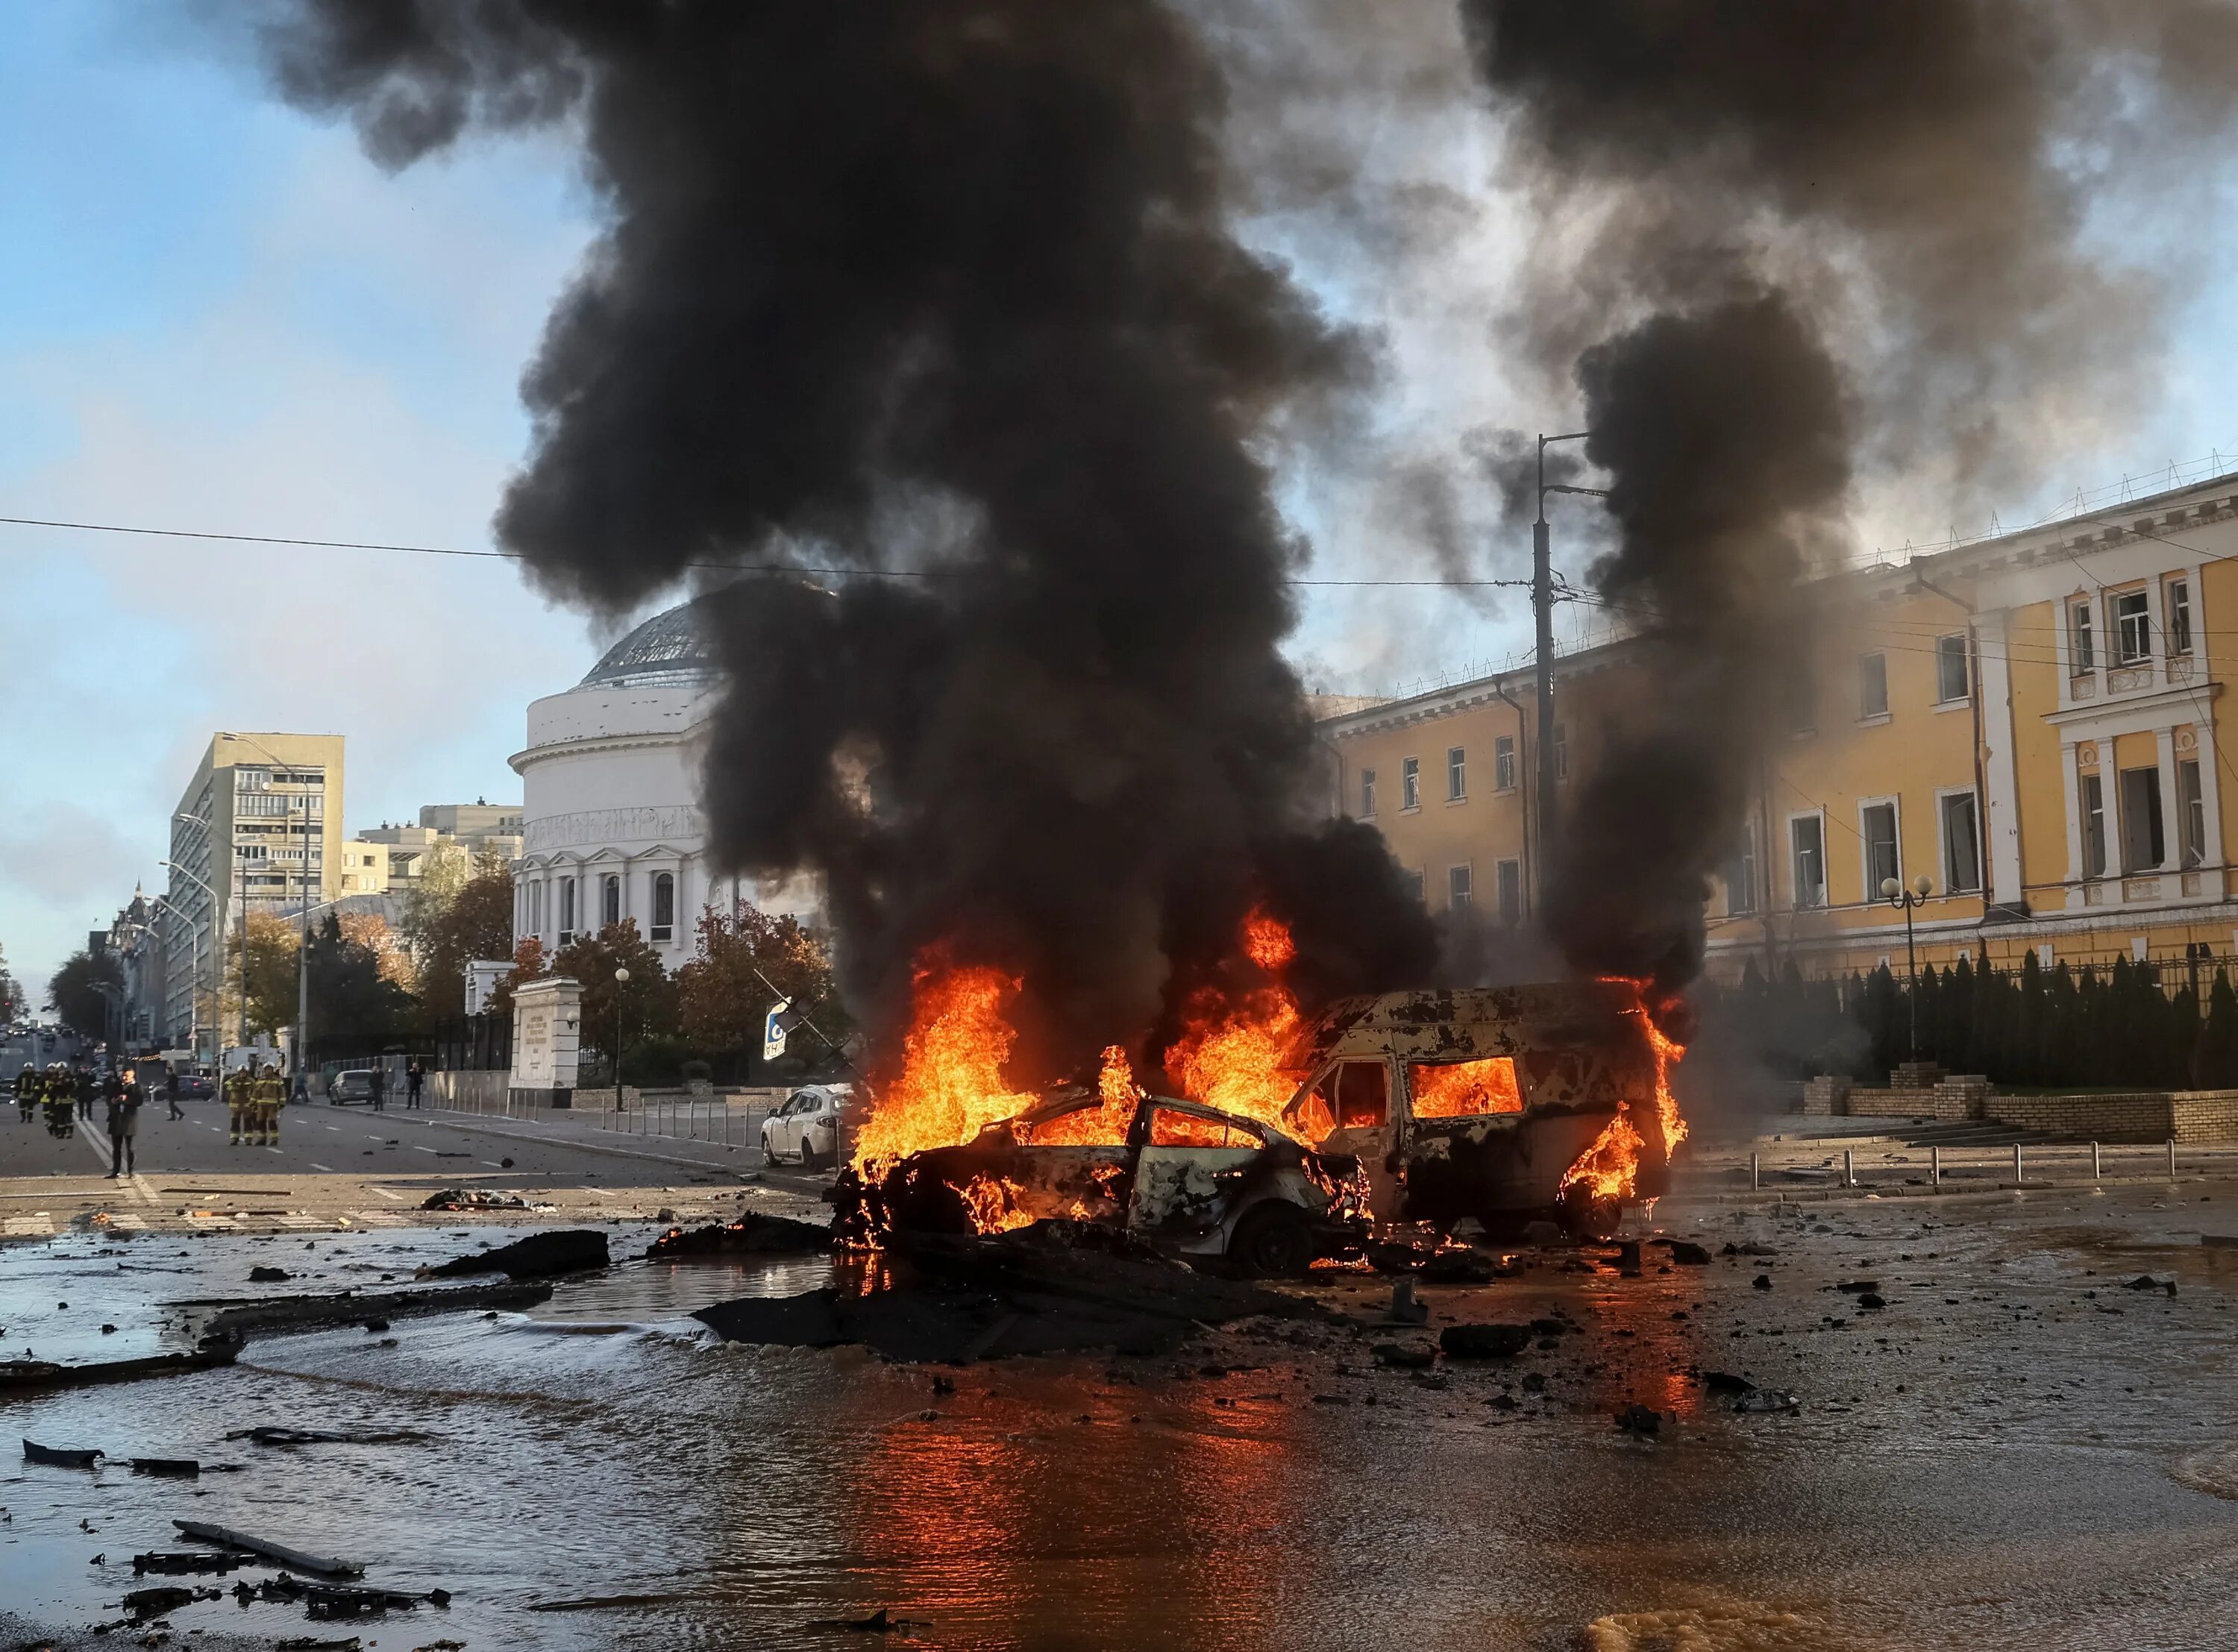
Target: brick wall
{"type": "Point", "coordinates": [1826, 1096]}
{"type": "Point", "coordinates": [2132, 1115]}
{"type": "Point", "coordinates": [2206, 1117]}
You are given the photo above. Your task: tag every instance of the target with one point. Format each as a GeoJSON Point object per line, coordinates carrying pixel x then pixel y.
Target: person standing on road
{"type": "Point", "coordinates": [27, 1092]}
{"type": "Point", "coordinates": [61, 1094]}
{"type": "Point", "coordinates": [171, 1093]}
{"type": "Point", "coordinates": [271, 1092]}
{"type": "Point", "coordinates": [413, 1079]}
{"type": "Point", "coordinates": [85, 1094]}
{"type": "Point", "coordinates": [379, 1086]}
{"type": "Point", "coordinates": [236, 1106]}
{"type": "Point", "coordinates": [124, 1098]}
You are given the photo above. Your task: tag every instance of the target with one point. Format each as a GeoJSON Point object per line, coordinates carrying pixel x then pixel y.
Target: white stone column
{"type": "Point", "coordinates": [2171, 820]}
{"type": "Point", "coordinates": [2071, 787]}
{"type": "Point", "coordinates": [2000, 824]}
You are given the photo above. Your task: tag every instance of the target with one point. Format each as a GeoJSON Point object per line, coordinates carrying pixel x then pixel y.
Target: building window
{"type": "Point", "coordinates": [1950, 675]}
{"type": "Point", "coordinates": [2133, 634]}
{"type": "Point", "coordinates": [1510, 876]}
{"type": "Point", "coordinates": [1561, 751]}
{"type": "Point", "coordinates": [1503, 763]}
{"type": "Point", "coordinates": [2191, 805]}
{"type": "Point", "coordinates": [1961, 849]}
{"type": "Point", "coordinates": [1368, 794]}
{"type": "Point", "coordinates": [1883, 860]}
{"type": "Point", "coordinates": [2179, 616]}
{"type": "Point", "coordinates": [2143, 845]}
{"type": "Point", "coordinates": [1410, 784]}
{"type": "Point", "coordinates": [610, 899]}
{"type": "Point", "coordinates": [2093, 827]}
{"type": "Point", "coordinates": [2082, 649]}
{"type": "Point", "coordinates": [663, 899]}
{"type": "Point", "coordinates": [1456, 774]}
{"type": "Point", "coordinates": [1872, 685]}
{"type": "Point", "coordinates": [1414, 883]}
{"type": "Point", "coordinates": [1740, 876]}
{"type": "Point", "coordinates": [566, 910]}
{"type": "Point", "coordinates": [1807, 836]}
{"type": "Point", "coordinates": [1459, 884]}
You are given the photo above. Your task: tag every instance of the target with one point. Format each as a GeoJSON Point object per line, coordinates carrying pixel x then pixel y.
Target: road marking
{"type": "Point", "coordinates": [39, 1226]}
{"type": "Point", "coordinates": [493, 1164]}
{"type": "Point", "coordinates": [128, 1224]}
{"type": "Point", "coordinates": [315, 1165]}
{"type": "Point", "coordinates": [385, 1194]}
{"type": "Point", "coordinates": [214, 1222]}
{"type": "Point", "coordinates": [416, 1147]}
{"type": "Point", "coordinates": [336, 1128]}
{"type": "Point", "coordinates": [299, 1219]}
{"type": "Point", "coordinates": [378, 1217]}
{"type": "Point", "coordinates": [272, 1150]}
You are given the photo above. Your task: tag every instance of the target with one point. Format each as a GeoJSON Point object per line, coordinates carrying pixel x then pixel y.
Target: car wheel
{"type": "Point", "coordinates": [1273, 1241]}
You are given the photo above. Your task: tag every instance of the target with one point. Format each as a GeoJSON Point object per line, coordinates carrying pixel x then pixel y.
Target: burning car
{"type": "Point", "coordinates": [1502, 1103]}
{"type": "Point", "coordinates": [1189, 1179]}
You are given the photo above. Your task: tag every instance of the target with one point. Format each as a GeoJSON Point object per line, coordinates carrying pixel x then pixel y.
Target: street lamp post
{"type": "Point", "coordinates": [621, 980]}
{"type": "Point", "coordinates": [1542, 606]}
{"type": "Point", "coordinates": [163, 906]}
{"type": "Point", "coordinates": [1910, 901]}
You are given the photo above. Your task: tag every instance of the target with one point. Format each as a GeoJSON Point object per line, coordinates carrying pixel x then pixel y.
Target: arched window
{"type": "Point", "coordinates": [566, 910]}
{"type": "Point", "coordinates": [664, 905]}
{"type": "Point", "coordinates": [610, 899]}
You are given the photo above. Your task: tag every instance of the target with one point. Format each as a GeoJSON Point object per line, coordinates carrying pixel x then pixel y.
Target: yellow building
{"type": "Point", "coordinates": [2028, 721]}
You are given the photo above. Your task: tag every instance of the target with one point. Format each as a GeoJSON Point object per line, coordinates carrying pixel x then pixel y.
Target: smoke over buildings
{"type": "Point", "coordinates": [943, 291]}
{"type": "Point", "coordinates": [1777, 241]}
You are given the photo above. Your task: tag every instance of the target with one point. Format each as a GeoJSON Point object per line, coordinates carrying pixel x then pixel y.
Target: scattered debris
{"type": "Point", "coordinates": [1404, 1309]}
{"type": "Point", "coordinates": [235, 1319]}
{"type": "Point", "coordinates": [878, 1623]}
{"type": "Point", "coordinates": [326, 1601]}
{"type": "Point", "coordinates": [226, 1537]}
{"type": "Point", "coordinates": [311, 1643]}
{"type": "Point", "coordinates": [1766, 1399]}
{"type": "Point", "coordinates": [1636, 1418]}
{"type": "Point", "coordinates": [1406, 1356]}
{"type": "Point", "coordinates": [169, 1561]}
{"type": "Point", "coordinates": [1858, 1287]}
{"type": "Point", "coordinates": [268, 1434]}
{"type": "Point", "coordinates": [1052, 1286]}
{"type": "Point", "coordinates": [268, 1276]}
{"type": "Point", "coordinates": [60, 1457]}
{"type": "Point", "coordinates": [1872, 1299]}
{"type": "Point", "coordinates": [1685, 1252]}
{"type": "Point", "coordinates": [1462, 1264]}
{"type": "Point", "coordinates": [1484, 1342]}
{"type": "Point", "coordinates": [566, 1250]}
{"type": "Point", "coordinates": [165, 1598]}
{"type": "Point", "coordinates": [18, 1375]}
{"type": "Point", "coordinates": [1762, 1282]}
{"type": "Point", "coordinates": [472, 1198]}
{"type": "Point", "coordinates": [1725, 1382]}
{"type": "Point", "coordinates": [172, 1468]}
{"type": "Point", "coordinates": [752, 1235]}
{"type": "Point", "coordinates": [2146, 1282]}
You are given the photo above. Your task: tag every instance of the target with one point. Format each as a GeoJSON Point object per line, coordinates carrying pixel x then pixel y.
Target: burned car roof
{"type": "Point", "coordinates": [1461, 1023]}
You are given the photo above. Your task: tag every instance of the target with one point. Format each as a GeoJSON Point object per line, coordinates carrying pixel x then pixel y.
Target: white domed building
{"type": "Point", "coordinates": [611, 821]}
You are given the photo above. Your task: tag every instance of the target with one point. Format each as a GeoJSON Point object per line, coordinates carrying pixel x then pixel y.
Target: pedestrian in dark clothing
{"type": "Point", "coordinates": [171, 1094]}
{"type": "Point", "coordinates": [413, 1079]}
{"type": "Point", "coordinates": [380, 1088]}
{"type": "Point", "coordinates": [85, 1094]}
{"type": "Point", "coordinates": [124, 1098]}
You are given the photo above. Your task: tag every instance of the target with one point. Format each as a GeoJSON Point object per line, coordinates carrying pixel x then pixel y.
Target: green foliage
{"type": "Point", "coordinates": [350, 997]}
{"type": "Point", "coordinates": [645, 1003]}
{"type": "Point", "coordinates": [75, 991]}
{"type": "Point", "coordinates": [722, 997]}
{"type": "Point", "coordinates": [454, 922]}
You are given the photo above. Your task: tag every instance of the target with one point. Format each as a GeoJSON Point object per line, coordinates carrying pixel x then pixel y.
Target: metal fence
{"type": "Point", "coordinates": [732, 1120]}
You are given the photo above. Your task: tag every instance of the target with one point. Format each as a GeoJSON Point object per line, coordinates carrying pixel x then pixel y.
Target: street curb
{"type": "Point", "coordinates": [589, 1147]}
{"type": "Point", "coordinates": [1912, 1195]}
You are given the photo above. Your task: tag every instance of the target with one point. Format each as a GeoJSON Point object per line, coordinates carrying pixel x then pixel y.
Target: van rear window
{"type": "Point", "coordinates": [1464, 1089]}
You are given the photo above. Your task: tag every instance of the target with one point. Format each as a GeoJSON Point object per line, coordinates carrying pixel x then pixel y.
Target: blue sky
{"type": "Point", "coordinates": [214, 313]}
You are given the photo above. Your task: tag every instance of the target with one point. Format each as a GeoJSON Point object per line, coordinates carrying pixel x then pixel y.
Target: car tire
{"type": "Point", "coordinates": [810, 1158]}
{"type": "Point", "coordinates": [1273, 1241]}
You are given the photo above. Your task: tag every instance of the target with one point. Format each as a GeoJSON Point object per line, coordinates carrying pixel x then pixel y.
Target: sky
{"type": "Point", "coordinates": [217, 314]}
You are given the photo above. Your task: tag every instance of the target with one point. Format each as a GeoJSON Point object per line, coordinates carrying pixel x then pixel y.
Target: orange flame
{"type": "Point", "coordinates": [950, 1086]}
{"type": "Point", "coordinates": [1230, 1055]}
{"type": "Point", "coordinates": [992, 1203]}
{"type": "Point", "coordinates": [1608, 1172]}
{"type": "Point", "coordinates": [1103, 1126]}
{"type": "Point", "coordinates": [1464, 1089]}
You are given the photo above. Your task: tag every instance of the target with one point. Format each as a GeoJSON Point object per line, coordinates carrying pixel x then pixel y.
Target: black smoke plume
{"type": "Point", "coordinates": [942, 288]}
{"type": "Point", "coordinates": [1781, 241]}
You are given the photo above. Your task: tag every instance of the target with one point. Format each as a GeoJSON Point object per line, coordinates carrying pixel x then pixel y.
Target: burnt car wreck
{"type": "Point", "coordinates": [1500, 1105]}
{"type": "Point", "coordinates": [1189, 1179]}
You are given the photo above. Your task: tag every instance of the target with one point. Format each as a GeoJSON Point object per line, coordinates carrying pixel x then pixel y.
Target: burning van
{"type": "Point", "coordinates": [1502, 1103]}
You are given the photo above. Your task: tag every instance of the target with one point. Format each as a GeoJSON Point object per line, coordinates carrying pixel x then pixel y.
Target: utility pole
{"type": "Point", "coordinates": [1542, 607]}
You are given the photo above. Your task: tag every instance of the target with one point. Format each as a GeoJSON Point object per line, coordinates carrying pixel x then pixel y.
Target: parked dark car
{"type": "Point", "coordinates": [194, 1086]}
{"type": "Point", "coordinates": [351, 1087]}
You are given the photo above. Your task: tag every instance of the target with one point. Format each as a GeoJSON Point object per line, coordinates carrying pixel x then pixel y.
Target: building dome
{"type": "Point", "coordinates": [668, 650]}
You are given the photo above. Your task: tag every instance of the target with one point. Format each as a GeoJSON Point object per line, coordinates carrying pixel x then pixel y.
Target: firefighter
{"type": "Point", "coordinates": [26, 1091]}
{"type": "Point", "coordinates": [237, 1084]}
{"type": "Point", "coordinates": [61, 1093]}
{"type": "Point", "coordinates": [269, 1092]}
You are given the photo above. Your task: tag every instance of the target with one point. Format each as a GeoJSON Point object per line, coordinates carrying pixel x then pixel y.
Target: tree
{"type": "Point", "coordinates": [475, 923]}
{"type": "Point", "coordinates": [351, 997]}
{"type": "Point", "coordinates": [74, 992]}
{"type": "Point", "coordinates": [721, 999]}
{"type": "Point", "coordinates": [371, 931]}
{"type": "Point", "coordinates": [260, 970]}
{"type": "Point", "coordinates": [647, 1002]}
{"type": "Point", "coordinates": [528, 965]}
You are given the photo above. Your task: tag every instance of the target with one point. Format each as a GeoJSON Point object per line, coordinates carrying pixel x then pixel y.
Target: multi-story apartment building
{"type": "Point", "coordinates": [393, 859]}
{"type": "Point", "coordinates": [2030, 721]}
{"type": "Point", "coordinates": [259, 823]}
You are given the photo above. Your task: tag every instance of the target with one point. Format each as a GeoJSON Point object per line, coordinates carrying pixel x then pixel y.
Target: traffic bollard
{"type": "Point", "coordinates": [2171, 1157]}
{"type": "Point", "coordinates": [2016, 1162]}
{"type": "Point", "coordinates": [1756, 1174]}
{"type": "Point", "coordinates": [1849, 1167]}
{"type": "Point", "coordinates": [1935, 1168]}
{"type": "Point", "coordinates": [2094, 1161]}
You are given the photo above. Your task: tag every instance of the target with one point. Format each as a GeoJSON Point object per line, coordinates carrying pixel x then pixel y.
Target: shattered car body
{"type": "Point", "coordinates": [1191, 1179]}
{"type": "Point", "coordinates": [1473, 1102]}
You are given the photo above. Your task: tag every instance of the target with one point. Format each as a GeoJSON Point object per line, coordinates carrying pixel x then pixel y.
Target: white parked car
{"type": "Point", "coordinates": [804, 1129]}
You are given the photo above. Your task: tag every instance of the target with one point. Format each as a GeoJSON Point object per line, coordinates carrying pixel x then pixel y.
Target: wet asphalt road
{"type": "Point", "coordinates": [2017, 1449]}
